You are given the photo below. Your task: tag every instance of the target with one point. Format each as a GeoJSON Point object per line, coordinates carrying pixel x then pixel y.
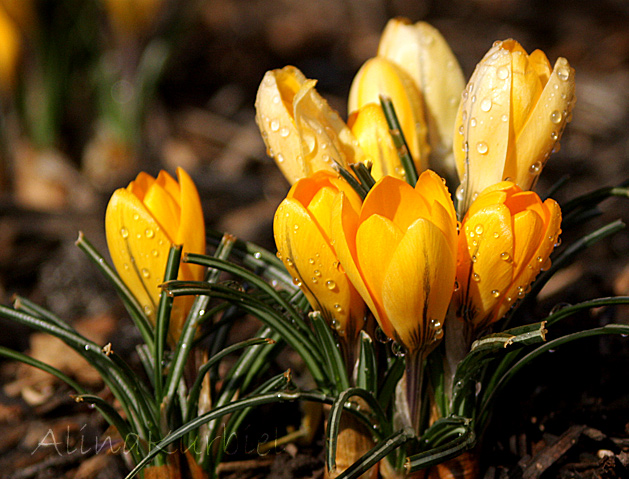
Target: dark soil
{"type": "Point", "coordinates": [566, 416]}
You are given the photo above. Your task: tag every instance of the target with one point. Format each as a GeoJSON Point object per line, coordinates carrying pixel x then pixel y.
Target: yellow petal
{"type": "Point", "coordinates": [482, 129]}
{"type": "Point", "coordinates": [544, 125]}
{"type": "Point", "coordinates": [395, 200]}
{"type": "Point", "coordinates": [486, 255]}
{"type": "Point", "coordinates": [308, 256]}
{"type": "Point", "coordinates": [370, 128]}
{"type": "Point", "coordinates": [379, 76]}
{"type": "Point", "coordinates": [526, 86]}
{"type": "Point", "coordinates": [164, 209]}
{"type": "Point", "coordinates": [274, 116]}
{"type": "Point", "coordinates": [418, 285]}
{"type": "Point", "coordinates": [376, 240]}
{"type": "Point", "coordinates": [139, 258]}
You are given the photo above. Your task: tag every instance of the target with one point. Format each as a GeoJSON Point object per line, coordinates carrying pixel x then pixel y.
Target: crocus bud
{"type": "Point", "coordinates": [379, 76]}
{"type": "Point", "coordinates": [506, 239]}
{"type": "Point", "coordinates": [512, 114]}
{"type": "Point", "coordinates": [371, 129]}
{"type": "Point", "coordinates": [301, 132]}
{"type": "Point", "coordinates": [399, 251]}
{"type": "Point", "coordinates": [422, 52]}
{"type": "Point", "coordinates": [305, 245]}
{"type": "Point", "coordinates": [142, 221]}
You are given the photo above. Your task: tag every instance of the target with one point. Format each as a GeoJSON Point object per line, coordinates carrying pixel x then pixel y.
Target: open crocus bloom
{"type": "Point", "coordinates": [506, 238]}
{"type": "Point", "coordinates": [399, 251]}
{"type": "Point", "coordinates": [302, 133]}
{"type": "Point", "coordinates": [305, 245]}
{"type": "Point", "coordinates": [142, 221]}
{"type": "Point", "coordinates": [512, 114]}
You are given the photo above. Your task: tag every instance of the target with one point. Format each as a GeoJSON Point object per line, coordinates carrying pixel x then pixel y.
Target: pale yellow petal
{"type": "Point", "coordinates": [418, 285]}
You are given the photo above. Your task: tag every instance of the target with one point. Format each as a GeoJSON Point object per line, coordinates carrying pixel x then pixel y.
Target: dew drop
{"type": "Point", "coordinates": [155, 253]}
{"type": "Point", "coordinates": [460, 192]}
{"type": "Point", "coordinates": [496, 235]}
{"type": "Point", "coordinates": [495, 293]}
{"type": "Point", "coordinates": [546, 264]}
{"type": "Point", "coordinates": [284, 132]}
{"type": "Point", "coordinates": [314, 280]}
{"type": "Point", "coordinates": [563, 73]}
{"type": "Point", "coordinates": [473, 122]}
{"type": "Point", "coordinates": [482, 147]}
{"type": "Point", "coordinates": [275, 125]}
{"type": "Point", "coordinates": [397, 349]}
{"type": "Point", "coordinates": [330, 284]}
{"type": "Point", "coordinates": [149, 233]}
{"type": "Point", "coordinates": [136, 217]}
{"type": "Point", "coordinates": [479, 229]}
{"type": "Point", "coordinates": [456, 286]}
{"type": "Point", "coordinates": [502, 73]}
{"type": "Point", "coordinates": [148, 310]}
{"type": "Point", "coordinates": [535, 168]}
{"type": "Point", "coordinates": [505, 256]}
{"type": "Point", "coordinates": [296, 281]}
{"type": "Point", "coordinates": [554, 135]}
{"type": "Point", "coordinates": [311, 260]}
{"type": "Point", "coordinates": [474, 259]}
{"type": "Point", "coordinates": [556, 117]}
{"type": "Point", "coordinates": [289, 262]}
{"type": "Point", "coordinates": [279, 158]}
{"type": "Point", "coordinates": [505, 117]}
{"type": "Point", "coordinates": [257, 255]}
{"type": "Point", "coordinates": [381, 337]}
{"type": "Point", "coordinates": [476, 277]}
{"type": "Point", "coordinates": [317, 273]}
{"type": "Point", "coordinates": [146, 273]}
{"type": "Point", "coordinates": [485, 105]}
{"type": "Point", "coordinates": [338, 308]}
{"type": "Point", "coordinates": [124, 232]}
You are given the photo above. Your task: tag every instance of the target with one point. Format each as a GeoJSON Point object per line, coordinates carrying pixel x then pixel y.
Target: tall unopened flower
{"type": "Point", "coordinates": [506, 238]}
{"type": "Point", "coordinates": [142, 221]}
{"type": "Point", "coordinates": [301, 132]}
{"type": "Point", "coordinates": [303, 237]}
{"type": "Point", "coordinates": [512, 114]}
{"type": "Point", "coordinates": [379, 76]}
{"type": "Point", "coordinates": [399, 251]}
{"type": "Point", "coordinates": [422, 52]}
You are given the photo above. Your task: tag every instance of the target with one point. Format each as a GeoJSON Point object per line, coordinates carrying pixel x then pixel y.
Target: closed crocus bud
{"type": "Point", "coordinates": [512, 114]}
{"type": "Point", "coordinates": [304, 243]}
{"type": "Point", "coordinates": [379, 76]}
{"type": "Point", "coordinates": [399, 251]}
{"type": "Point", "coordinates": [142, 221]}
{"type": "Point", "coordinates": [506, 239]}
{"type": "Point", "coordinates": [371, 129]}
{"type": "Point", "coordinates": [301, 132]}
{"type": "Point", "coordinates": [422, 52]}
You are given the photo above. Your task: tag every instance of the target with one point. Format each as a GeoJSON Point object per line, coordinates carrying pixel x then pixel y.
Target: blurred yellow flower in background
{"type": "Point", "coordinates": [142, 221]}
{"type": "Point", "coordinates": [10, 45]}
{"type": "Point", "coordinates": [506, 238]}
{"type": "Point", "coordinates": [133, 17]}
{"type": "Point", "coordinates": [399, 251]}
{"type": "Point", "coordinates": [511, 117]}
{"type": "Point", "coordinates": [303, 237]}
{"type": "Point", "coordinates": [301, 132]}
{"type": "Point", "coordinates": [422, 52]}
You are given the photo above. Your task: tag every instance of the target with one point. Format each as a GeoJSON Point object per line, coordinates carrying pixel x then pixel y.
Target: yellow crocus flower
{"type": "Point", "coordinates": [304, 242]}
{"type": "Point", "coordinates": [512, 114]}
{"type": "Point", "coordinates": [399, 251]}
{"type": "Point", "coordinates": [506, 238]}
{"type": "Point", "coordinates": [142, 221]}
{"type": "Point", "coordinates": [379, 76]}
{"type": "Point", "coordinates": [301, 132]}
{"type": "Point", "coordinates": [422, 52]}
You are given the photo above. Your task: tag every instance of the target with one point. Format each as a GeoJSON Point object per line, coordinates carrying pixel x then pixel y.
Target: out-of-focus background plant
{"type": "Point", "coordinates": [93, 91]}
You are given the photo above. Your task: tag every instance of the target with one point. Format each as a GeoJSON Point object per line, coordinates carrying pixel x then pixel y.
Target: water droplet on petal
{"type": "Point", "coordinates": [485, 105]}
{"type": "Point", "coordinates": [284, 132]}
{"type": "Point", "coordinates": [505, 256]}
{"type": "Point", "coordinates": [556, 117]}
{"type": "Point", "coordinates": [479, 229]}
{"type": "Point", "coordinates": [149, 233]}
{"type": "Point", "coordinates": [124, 232]}
{"type": "Point", "coordinates": [330, 284]}
{"type": "Point", "coordinates": [476, 277]}
{"type": "Point", "coordinates": [482, 147]}
{"type": "Point", "coordinates": [275, 125]}
{"type": "Point", "coordinates": [563, 73]}
{"type": "Point", "coordinates": [495, 293]}
{"type": "Point", "coordinates": [146, 273]}
{"type": "Point", "coordinates": [535, 168]}
{"type": "Point", "coordinates": [502, 73]}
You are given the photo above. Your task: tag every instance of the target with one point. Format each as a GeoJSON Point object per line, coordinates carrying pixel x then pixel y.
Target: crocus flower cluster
{"type": "Point", "coordinates": [401, 249]}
